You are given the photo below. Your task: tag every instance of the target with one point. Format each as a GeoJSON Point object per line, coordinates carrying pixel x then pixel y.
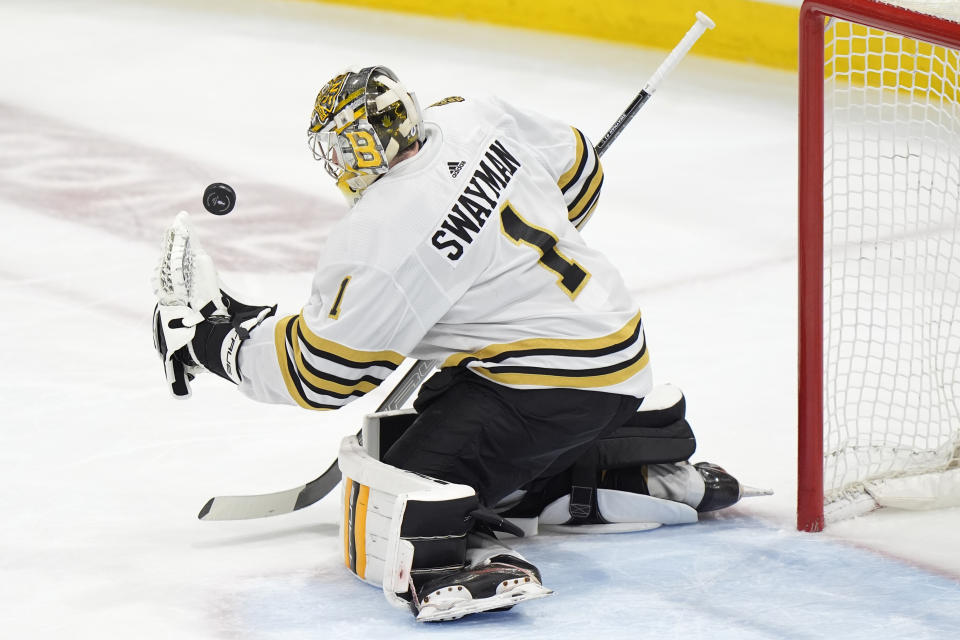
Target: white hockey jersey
{"type": "Point", "coordinates": [468, 252]}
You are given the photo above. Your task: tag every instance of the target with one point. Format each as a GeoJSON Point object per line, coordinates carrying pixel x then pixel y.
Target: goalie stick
{"type": "Point", "coordinates": [271, 504]}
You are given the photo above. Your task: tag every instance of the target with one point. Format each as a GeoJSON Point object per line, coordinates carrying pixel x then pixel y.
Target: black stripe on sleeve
{"type": "Point", "coordinates": [585, 190]}
{"type": "Point", "coordinates": [332, 357]}
{"type": "Point", "coordinates": [590, 205]}
{"type": "Point", "coordinates": [295, 375]}
{"type": "Point", "coordinates": [587, 151]}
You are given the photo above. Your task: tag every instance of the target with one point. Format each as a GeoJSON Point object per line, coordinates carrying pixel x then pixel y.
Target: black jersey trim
{"type": "Point", "coordinates": [588, 196]}
{"type": "Point", "coordinates": [576, 378]}
{"type": "Point", "coordinates": [288, 369]}
{"type": "Point", "coordinates": [619, 340]}
{"type": "Point", "coordinates": [336, 352]}
{"type": "Point", "coordinates": [583, 152]}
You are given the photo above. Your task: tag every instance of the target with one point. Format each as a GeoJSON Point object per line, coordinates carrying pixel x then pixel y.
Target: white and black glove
{"type": "Point", "coordinates": [197, 325]}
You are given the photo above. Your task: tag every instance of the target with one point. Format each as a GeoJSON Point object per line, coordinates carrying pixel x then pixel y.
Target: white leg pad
{"type": "Point", "coordinates": [623, 510]}
{"type": "Point", "coordinates": [376, 498]}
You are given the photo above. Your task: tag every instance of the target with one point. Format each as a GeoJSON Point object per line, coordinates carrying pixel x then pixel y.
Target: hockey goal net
{"type": "Point", "coordinates": [879, 193]}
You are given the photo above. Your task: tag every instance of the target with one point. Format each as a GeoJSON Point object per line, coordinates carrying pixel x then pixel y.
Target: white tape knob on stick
{"type": "Point", "coordinates": [683, 47]}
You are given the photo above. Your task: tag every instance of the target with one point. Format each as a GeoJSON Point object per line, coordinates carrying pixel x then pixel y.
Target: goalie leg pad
{"type": "Point", "coordinates": [618, 511]}
{"type": "Point", "coordinates": [401, 529]}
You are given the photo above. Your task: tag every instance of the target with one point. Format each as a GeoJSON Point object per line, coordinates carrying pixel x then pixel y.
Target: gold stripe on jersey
{"type": "Point", "coordinates": [349, 357]}
{"type": "Point", "coordinates": [569, 347]}
{"type": "Point", "coordinates": [300, 376]}
{"type": "Point", "coordinates": [587, 198]}
{"type": "Point", "coordinates": [582, 182]}
{"type": "Point", "coordinates": [287, 368]}
{"type": "Point", "coordinates": [567, 178]}
{"type": "Point", "coordinates": [585, 379]}
{"type": "Point", "coordinates": [583, 219]}
{"type": "Point", "coordinates": [319, 381]}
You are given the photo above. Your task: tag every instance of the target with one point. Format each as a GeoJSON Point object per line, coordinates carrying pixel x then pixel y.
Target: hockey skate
{"type": "Point", "coordinates": [721, 489]}
{"type": "Point", "coordinates": [496, 585]}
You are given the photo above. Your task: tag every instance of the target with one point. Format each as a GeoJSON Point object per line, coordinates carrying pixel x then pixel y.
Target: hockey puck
{"type": "Point", "coordinates": [219, 198]}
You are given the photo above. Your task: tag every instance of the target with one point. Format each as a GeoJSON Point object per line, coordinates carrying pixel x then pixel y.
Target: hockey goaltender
{"type": "Point", "coordinates": [461, 245]}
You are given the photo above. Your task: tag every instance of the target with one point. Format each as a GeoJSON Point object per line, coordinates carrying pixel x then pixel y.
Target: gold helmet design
{"type": "Point", "coordinates": [361, 120]}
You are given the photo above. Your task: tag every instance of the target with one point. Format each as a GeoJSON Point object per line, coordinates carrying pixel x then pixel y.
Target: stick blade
{"type": "Point", "coordinates": [271, 504]}
{"type": "Point", "coordinates": [249, 507]}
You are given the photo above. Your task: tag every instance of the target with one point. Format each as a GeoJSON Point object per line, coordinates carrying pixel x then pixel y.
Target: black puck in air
{"type": "Point", "coordinates": [219, 198]}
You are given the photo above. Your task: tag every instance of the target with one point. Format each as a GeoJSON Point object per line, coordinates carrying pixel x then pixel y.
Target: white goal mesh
{"type": "Point", "coordinates": [891, 331]}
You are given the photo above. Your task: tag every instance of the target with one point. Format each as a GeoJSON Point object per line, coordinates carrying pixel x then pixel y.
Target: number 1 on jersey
{"type": "Point", "coordinates": [571, 277]}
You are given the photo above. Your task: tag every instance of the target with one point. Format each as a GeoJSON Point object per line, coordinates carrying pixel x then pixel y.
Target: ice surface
{"type": "Point", "coordinates": [115, 115]}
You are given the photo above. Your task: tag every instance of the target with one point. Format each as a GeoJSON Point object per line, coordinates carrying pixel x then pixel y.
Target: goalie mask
{"type": "Point", "coordinates": [361, 120]}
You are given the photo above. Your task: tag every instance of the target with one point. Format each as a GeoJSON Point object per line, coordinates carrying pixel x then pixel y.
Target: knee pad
{"type": "Point", "coordinates": [607, 485]}
{"type": "Point", "coordinates": [658, 432]}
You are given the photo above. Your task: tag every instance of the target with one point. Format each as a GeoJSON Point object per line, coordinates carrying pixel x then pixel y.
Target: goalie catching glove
{"type": "Point", "coordinates": [197, 325]}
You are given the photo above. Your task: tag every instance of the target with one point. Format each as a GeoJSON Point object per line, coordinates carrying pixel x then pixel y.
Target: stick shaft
{"type": "Point", "coordinates": [672, 60]}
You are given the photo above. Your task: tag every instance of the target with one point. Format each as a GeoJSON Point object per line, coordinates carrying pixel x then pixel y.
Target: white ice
{"type": "Point", "coordinates": [114, 115]}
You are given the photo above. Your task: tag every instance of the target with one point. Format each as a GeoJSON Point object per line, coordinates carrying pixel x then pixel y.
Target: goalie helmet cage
{"type": "Point", "coordinates": [879, 251]}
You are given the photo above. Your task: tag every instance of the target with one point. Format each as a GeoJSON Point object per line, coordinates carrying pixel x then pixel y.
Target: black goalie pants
{"type": "Point", "coordinates": [496, 439]}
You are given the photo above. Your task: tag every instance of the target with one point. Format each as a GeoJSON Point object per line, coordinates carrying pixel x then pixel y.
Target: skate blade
{"type": "Point", "coordinates": [455, 609]}
{"type": "Point", "coordinates": [754, 492]}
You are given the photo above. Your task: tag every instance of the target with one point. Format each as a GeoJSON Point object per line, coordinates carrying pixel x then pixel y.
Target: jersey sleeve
{"type": "Point", "coordinates": [582, 180]}
{"type": "Point", "coordinates": [568, 155]}
{"type": "Point", "coordinates": [348, 338]}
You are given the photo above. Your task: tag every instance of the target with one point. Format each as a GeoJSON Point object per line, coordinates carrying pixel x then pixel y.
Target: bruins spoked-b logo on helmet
{"type": "Point", "coordinates": [361, 120]}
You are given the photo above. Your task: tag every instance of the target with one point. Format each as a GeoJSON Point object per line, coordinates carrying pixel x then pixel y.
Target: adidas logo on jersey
{"type": "Point", "coordinates": [455, 167]}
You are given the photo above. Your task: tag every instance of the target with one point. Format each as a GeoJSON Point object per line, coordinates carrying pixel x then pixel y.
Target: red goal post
{"type": "Point", "coordinates": [865, 15]}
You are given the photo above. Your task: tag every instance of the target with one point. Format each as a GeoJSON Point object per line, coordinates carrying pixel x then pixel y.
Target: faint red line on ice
{"type": "Point", "coordinates": [58, 169]}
